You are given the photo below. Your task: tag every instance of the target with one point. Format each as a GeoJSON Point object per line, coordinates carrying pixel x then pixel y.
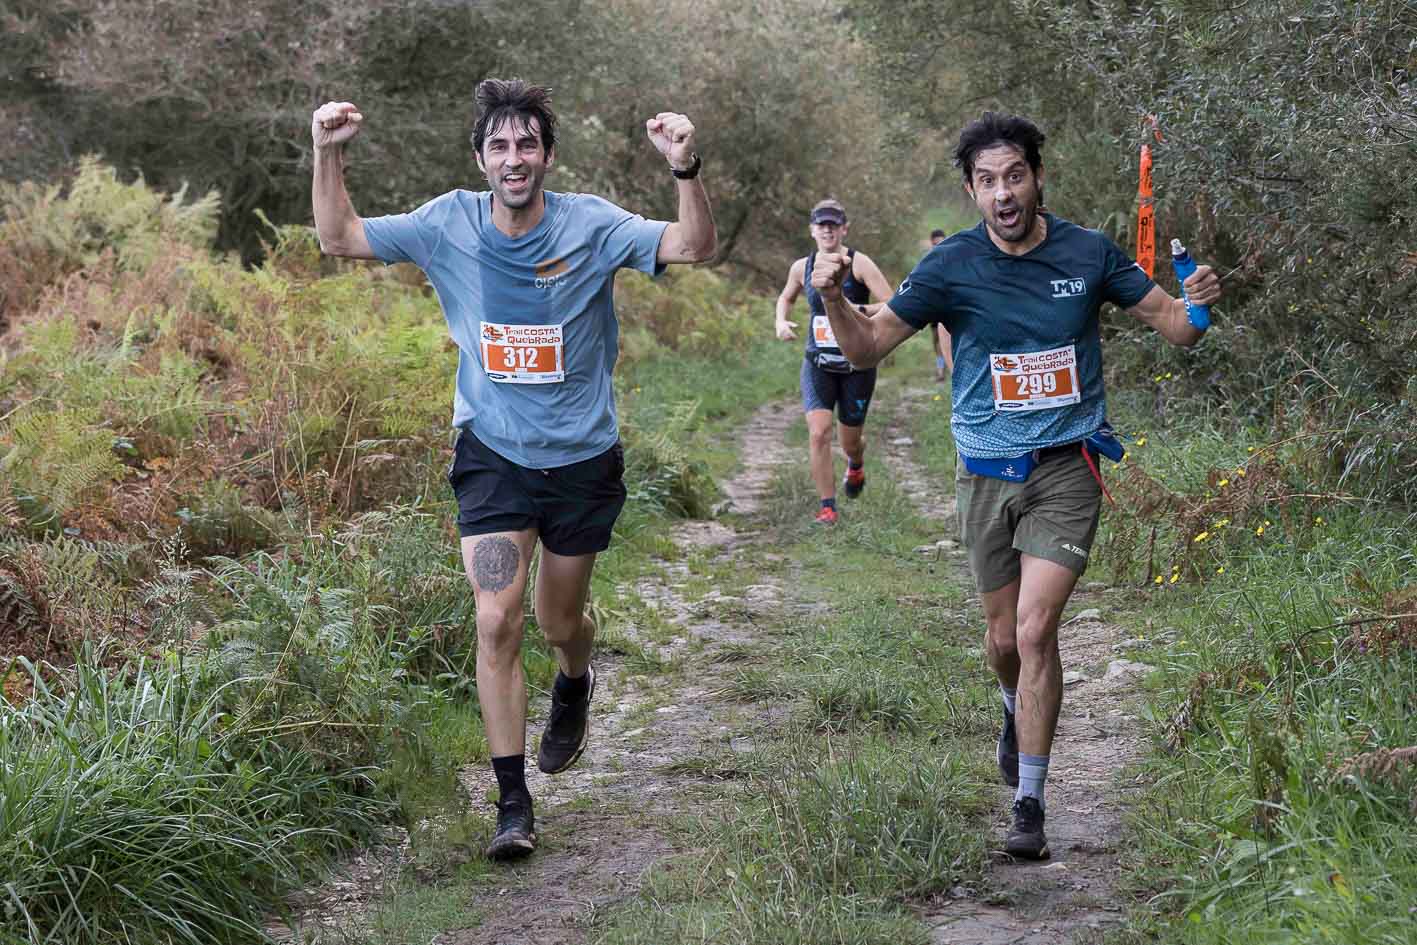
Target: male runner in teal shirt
{"type": "Point", "coordinates": [525, 278]}
{"type": "Point", "coordinates": [1020, 294]}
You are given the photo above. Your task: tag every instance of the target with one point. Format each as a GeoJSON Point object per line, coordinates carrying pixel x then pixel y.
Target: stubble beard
{"type": "Point", "coordinates": [1027, 219]}
{"type": "Point", "coordinates": [524, 199]}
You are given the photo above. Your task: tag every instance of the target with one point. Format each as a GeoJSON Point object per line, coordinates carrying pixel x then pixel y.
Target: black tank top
{"type": "Point", "coordinates": [855, 293]}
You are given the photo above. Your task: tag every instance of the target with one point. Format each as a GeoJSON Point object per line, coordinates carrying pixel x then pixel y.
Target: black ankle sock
{"type": "Point", "coordinates": [572, 690]}
{"type": "Point", "coordinates": [851, 464]}
{"type": "Point", "coordinates": [511, 777]}
{"type": "Point", "coordinates": [829, 504]}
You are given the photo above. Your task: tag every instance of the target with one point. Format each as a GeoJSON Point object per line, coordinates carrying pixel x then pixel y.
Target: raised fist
{"type": "Point", "coordinates": [334, 123]}
{"type": "Point", "coordinates": [829, 272]}
{"type": "Point", "coordinates": [672, 135]}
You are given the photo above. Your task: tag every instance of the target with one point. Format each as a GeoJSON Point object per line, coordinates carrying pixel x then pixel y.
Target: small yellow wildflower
{"type": "Point", "coordinates": [1224, 483]}
{"type": "Point", "coordinates": [1268, 522]}
{"type": "Point", "coordinates": [1174, 578]}
{"type": "Point", "coordinates": [1168, 375]}
{"type": "Point", "coordinates": [1201, 537]}
{"type": "Point", "coordinates": [1318, 519]}
{"type": "Point", "coordinates": [1240, 472]}
{"type": "Point", "coordinates": [1125, 454]}
{"type": "Point", "coordinates": [1260, 530]}
{"type": "Point", "coordinates": [937, 397]}
{"type": "Point", "coordinates": [1220, 570]}
{"type": "Point", "coordinates": [1249, 449]}
{"type": "Point", "coordinates": [1159, 579]}
{"type": "Point", "coordinates": [1222, 523]}
{"type": "Point", "coordinates": [1141, 441]}
{"type": "Point", "coordinates": [1157, 378]}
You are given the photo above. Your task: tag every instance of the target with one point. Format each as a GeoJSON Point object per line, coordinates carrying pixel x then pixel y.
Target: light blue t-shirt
{"type": "Point", "coordinates": [1005, 313]}
{"type": "Point", "coordinates": [510, 298]}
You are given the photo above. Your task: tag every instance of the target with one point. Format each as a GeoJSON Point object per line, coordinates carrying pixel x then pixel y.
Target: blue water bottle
{"type": "Point", "coordinates": [1181, 261]}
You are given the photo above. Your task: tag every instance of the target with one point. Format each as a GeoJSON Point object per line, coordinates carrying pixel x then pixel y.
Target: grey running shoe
{"type": "Point", "coordinates": [567, 730]}
{"type": "Point", "coordinates": [516, 835]}
{"type": "Point", "coordinates": [1007, 754]}
{"type": "Point", "coordinates": [1026, 839]}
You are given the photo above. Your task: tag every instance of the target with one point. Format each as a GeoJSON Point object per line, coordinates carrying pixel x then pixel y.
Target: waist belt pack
{"type": "Point", "coordinates": [832, 363]}
{"type": "Point", "coordinates": [1102, 442]}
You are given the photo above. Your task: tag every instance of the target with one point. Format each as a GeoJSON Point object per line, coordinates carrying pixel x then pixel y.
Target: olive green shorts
{"type": "Point", "coordinates": [1053, 516]}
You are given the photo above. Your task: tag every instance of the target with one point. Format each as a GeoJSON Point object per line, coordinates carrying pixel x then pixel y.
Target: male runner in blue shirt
{"type": "Point", "coordinates": [1020, 293]}
{"type": "Point", "coordinates": [525, 278]}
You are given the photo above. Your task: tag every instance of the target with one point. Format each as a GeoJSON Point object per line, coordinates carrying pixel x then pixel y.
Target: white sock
{"type": "Point", "coordinates": [1010, 697]}
{"type": "Point", "coordinates": [1032, 772]}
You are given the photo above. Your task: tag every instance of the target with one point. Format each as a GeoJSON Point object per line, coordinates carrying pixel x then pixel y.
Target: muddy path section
{"type": "Point", "coordinates": [604, 824]}
{"type": "Point", "coordinates": [1071, 896]}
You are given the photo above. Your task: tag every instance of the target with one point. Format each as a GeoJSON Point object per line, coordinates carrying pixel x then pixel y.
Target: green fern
{"type": "Point", "coordinates": [57, 455]}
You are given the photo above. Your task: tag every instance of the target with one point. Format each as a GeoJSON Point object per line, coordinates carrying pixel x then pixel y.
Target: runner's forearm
{"type": "Point", "coordinates": [855, 333]}
{"type": "Point", "coordinates": [334, 212]}
{"type": "Point", "coordinates": [696, 227]}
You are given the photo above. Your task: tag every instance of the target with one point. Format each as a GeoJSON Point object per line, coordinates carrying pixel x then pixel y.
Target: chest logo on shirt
{"type": "Point", "coordinates": [550, 272]}
{"type": "Point", "coordinates": [1069, 288]}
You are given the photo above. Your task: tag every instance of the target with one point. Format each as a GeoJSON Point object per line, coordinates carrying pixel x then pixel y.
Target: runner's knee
{"type": "Point", "coordinates": [499, 630]}
{"type": "Point", "coordinates": [561, 627]}
{"type": "Point", "coordinates": [1037, 632]}
{"type": "Point", "coordinates": [821, 439]}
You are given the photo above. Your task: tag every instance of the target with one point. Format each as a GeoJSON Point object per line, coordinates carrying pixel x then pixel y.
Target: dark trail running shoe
{"type": "Point", "coordinates": [854, 482]}
{"type": "Point", "coordinates": [1026, 839]}
{"type": "Point", "coordinates": [516, 834]}
{"type": "Point", "coordinates": [567, 731]}
{"type": "Point", "coordinates": [1007, 754]}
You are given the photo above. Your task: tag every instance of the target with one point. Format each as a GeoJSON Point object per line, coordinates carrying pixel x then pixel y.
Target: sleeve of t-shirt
{"type": "Point", "coordinates": [1124, 282]}
{"type": "Point", "coordinates": [923, 298]}
{"type": "Point", "coordinates": [626, 239]}
{"type": "Point", "coordinates": [407, 237]}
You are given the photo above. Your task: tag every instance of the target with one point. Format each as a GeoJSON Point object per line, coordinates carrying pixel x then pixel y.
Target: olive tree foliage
{"type": "Point", "coordinates": [1289, 134]}
{"type": "Point", "coordinates": [219, 95]}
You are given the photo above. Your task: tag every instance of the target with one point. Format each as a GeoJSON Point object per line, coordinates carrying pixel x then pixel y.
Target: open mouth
{"type": "Point", "coordinates": [514, 182]}
{"type": "Point", "coordinates": [1008, 216]}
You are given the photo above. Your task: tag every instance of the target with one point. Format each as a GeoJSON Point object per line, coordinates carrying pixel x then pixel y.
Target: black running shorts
{"type": "Point", "coordinates": [849, 394]}
{"type": "Point", "coordinates": [573, 508]}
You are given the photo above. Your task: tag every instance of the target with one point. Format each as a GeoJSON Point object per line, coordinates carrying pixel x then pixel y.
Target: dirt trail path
{"type": "Point", "coordinates": [1071, 895]}
{"type": "Point", "coordinates": [603, 825]}
{"type": "Point", "coordinates": [599, 821]}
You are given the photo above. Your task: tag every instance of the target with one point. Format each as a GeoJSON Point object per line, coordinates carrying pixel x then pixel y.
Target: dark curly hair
{"type": "Point", "coordinates": [518, 100]}
{"type": "Point", "coordinates": [993, 128]}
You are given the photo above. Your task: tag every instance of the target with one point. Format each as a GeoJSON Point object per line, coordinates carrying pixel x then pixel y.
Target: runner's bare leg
{"type": "Point", "coordinates": [496, 564]}
{"type": "Point", "coordinates": [853, 442]}
{"type": "Point", "coordinates": [819, 445]}
{"type": "Point", "coordinates": [1044, 588]}
{"type": "Point", "coordinates": [562, 589]}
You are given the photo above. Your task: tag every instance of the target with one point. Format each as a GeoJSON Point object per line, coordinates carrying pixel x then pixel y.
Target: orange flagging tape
{"type": "Point", "coordinates": [1146, 216]}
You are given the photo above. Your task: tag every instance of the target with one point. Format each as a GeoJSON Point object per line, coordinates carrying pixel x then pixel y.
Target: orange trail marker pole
{"type": "Point", "coordinates": [1146, 216]}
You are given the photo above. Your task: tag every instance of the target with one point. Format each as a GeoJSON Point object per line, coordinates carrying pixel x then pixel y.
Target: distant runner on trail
{"type": "Point", "coordinates": [1020, 294]}
{"type": "Point", "coordinates": [524, 276]}
{"type": "Point", "coordinates": [940, 336]}
{"type": "Point", "coordinates": [828, 381]}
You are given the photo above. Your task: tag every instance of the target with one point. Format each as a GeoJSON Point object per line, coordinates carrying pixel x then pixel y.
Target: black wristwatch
{"type": "Point", "coordinates": [690, 172]}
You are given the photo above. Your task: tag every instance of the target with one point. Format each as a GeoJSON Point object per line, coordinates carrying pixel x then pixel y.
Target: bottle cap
{"type": "Point", "coordinates": [1177, 249]}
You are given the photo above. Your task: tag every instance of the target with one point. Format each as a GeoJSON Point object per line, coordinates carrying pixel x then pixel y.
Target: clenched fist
{"type": "Point", "coordinates": [829, 272]}
{"type": "Point", "coordinates": [672, 135]}
{"type": "Point", "coordinates": [334, 123]}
